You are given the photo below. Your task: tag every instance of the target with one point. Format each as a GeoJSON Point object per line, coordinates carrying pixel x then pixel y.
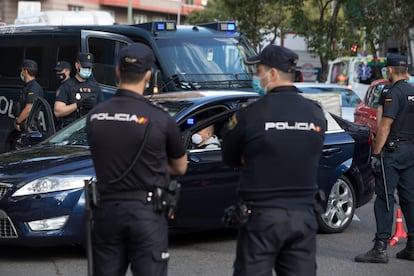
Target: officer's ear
{"type": "Point", "coordinates": [147, 76]}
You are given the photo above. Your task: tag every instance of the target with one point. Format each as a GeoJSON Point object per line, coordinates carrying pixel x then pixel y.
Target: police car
{"type": "Point", "coordinates": [41, 187]}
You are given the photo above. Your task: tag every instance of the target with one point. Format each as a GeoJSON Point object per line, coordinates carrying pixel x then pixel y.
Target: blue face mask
{"type": "Point", "coordinates": [256, 84]}
{"type": "Point", "coordinates": [85, 73]}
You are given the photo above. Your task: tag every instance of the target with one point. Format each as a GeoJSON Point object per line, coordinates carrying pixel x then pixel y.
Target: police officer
{"type": "Point", "coordinates": [394, 147]}
{"type": "Point", "coordinates": [77, 96]}
{"type": "Point", "coordinates": [277, 142]}
{"type": "Point", "coordinates": [135, 146]}
{"type": "Point", "coordinates": [30, 92]}
{"type": "Point", "coordinates": [62, 70]}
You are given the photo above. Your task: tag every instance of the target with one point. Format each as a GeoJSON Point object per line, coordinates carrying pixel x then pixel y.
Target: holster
{"type": "Point", "coordinates": [166, 200]}
{"type": "Point", "coordinates": [236, 215]}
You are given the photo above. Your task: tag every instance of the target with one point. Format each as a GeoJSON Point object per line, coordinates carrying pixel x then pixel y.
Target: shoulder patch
{"type": "Point", "coordinates": [388, 101]}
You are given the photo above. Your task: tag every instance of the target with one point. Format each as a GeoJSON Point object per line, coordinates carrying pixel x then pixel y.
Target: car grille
{"type": "Point", "coordinates": [7, 230]}
{"type": "Point", "coordinates": [4, 187]}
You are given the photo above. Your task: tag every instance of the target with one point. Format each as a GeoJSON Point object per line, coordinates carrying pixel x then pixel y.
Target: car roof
{"type": "Point", "coordinates": [320, 85]}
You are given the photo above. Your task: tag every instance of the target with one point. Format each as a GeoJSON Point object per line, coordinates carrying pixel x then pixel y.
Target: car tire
{"type": "Point", "coordinates": [340, 207]}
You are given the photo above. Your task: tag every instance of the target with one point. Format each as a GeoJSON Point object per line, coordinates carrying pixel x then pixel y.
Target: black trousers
{"type": "Point", "coordinates": [277, 239]}
{"type": "Point", "coordinates": [399, 173]}
{"type": "Point", "coordinates": [129, 233]}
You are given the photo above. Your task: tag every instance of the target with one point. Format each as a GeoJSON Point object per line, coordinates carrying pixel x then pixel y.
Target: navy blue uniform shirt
{"type": "Point", "coordinates": [399, 106]}
{"type": "Point", "coordinates": [115, 130]}
{"type": "Point", "coordinates": [277, 141]}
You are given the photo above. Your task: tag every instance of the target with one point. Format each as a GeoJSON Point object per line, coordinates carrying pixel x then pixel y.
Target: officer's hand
{"type": "Point", "coordinates": [86, 102]}
{"type": "Point", "coordinates": [376, 164]}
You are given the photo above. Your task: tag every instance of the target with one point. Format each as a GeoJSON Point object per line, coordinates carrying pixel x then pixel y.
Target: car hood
{"type": "Point", "coordinates": [39, 161]}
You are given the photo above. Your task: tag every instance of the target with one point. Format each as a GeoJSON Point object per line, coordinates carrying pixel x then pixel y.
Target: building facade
{"type": "Point", "coordinates": [124, 11]}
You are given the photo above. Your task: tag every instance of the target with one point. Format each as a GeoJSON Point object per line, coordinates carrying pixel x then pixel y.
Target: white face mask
{"type": "Point", "coordinates": [196, 138]}
{"type": "Point", "coordinates": [22, 76]}
{"type": "Point", "coordinates": [85, 73]}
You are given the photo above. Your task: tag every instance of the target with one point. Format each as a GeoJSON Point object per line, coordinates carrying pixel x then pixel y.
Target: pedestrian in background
{"type": "Point", "coordinates": [78, 95]}
{"type": "Point", "coordinates": [135, 146]}
{"type": "Point", "coordinates": [277, 142]}
{"type": "Point", "coordinates": [393, 160]}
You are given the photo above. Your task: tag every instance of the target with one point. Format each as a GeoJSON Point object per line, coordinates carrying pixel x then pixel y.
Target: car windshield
{"type": "Point", "coordinates": [203, 63]}
{"type": "Point", "coordinates": [349, 97]}
{"type": "Point", "coordinates": [75, 133]}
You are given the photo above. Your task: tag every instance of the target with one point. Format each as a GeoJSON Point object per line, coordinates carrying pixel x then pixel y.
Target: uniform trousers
{"type": "Point", "coordinates": [277, 239]}
{"type": "Point", "coordinates": [129, 232]}
{"type": "Point", "coordinates": [399, 174]}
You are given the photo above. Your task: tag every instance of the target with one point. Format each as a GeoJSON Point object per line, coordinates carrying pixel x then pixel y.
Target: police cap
{"type": "Point", "coordinates": [85, 59]}
{"type": "Point", "coordinates": [29, 65]}
{"type": "Point", "coordinates": [394, 59]}
{"type": "Point", "coordinates": [136, 57]}
{"type": "Point", "coordinates": [62, 65]}
{"type": "Point", "coordinates": [275, 56]}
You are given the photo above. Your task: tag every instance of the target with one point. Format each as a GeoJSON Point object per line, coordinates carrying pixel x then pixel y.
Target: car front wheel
{"type": "Point", "coordinates": [340, 207]}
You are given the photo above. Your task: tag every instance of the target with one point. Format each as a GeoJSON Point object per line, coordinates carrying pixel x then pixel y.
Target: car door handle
{"type": "Point", "coordinates": [330, 151]}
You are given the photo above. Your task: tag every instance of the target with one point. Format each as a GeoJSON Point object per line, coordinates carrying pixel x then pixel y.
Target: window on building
{"type": "Point", "coordinates": [140, 18]}
{"type": "Point", "coordinates": [75, 8]}
{"type": "Point", "coordinates": [189, 2]}
{"type": "Point", "coordinates": [159, 18]}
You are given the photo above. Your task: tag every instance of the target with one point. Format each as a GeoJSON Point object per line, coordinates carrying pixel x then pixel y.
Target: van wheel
{"type": "Point", "coordinates": [340, 207]}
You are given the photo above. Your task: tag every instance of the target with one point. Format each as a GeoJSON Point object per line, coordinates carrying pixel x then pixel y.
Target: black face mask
{"type": "Point", "coordinates": [60, 76]}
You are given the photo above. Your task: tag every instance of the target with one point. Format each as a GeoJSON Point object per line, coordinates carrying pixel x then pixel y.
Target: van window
{"type": "Point", "coordinates": [106, 52]}
{"type": "Point", "coordinates": [14, 56]}
{"type": "Point", "coordinates": [340, 73]}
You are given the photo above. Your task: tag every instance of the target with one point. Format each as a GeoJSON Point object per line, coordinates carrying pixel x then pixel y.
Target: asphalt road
{"type": "Point", "coordinates": [211, 254]}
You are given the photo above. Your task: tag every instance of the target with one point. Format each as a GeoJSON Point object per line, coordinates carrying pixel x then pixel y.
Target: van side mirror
{"type": "Point", "coordinates": [155, 80]}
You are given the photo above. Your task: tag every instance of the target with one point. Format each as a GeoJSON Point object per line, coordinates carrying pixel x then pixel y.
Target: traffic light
{"type": "Point", "coordinates": [354, 49]}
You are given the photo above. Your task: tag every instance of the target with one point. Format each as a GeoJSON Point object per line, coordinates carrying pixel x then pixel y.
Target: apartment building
{"type": "Point", "coordinates": [140, 10]}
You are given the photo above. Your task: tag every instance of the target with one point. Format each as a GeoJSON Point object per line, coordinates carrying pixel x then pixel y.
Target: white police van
{"type": "Point", "coordinates": [200, 57]}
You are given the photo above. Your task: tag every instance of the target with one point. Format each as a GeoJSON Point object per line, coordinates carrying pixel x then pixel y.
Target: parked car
{"type": "Point", "coordinates": [350, 99]}
{"type": "Point", "coordinates": [41, 187]}
{"type": "Point", "coordinates": [365, 112]}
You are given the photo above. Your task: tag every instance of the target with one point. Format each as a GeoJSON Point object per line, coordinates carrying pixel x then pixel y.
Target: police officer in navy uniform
{"type": "Point", "coordinates": [78, 95]}
{"type": "Point", "coordinates": [394, 147]}
{"type": "Point", "coordinates": [28, 95]}
{"type": "Point", "coordinates": [277, 142]}
{"type": "Point", "coordinates": [126, 228]}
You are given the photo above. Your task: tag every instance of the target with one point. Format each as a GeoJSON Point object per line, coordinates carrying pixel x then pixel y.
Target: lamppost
{"type": "Point", "coordinates": [179, 12]}
{"type": "Point", "coordinates": [129, 11]}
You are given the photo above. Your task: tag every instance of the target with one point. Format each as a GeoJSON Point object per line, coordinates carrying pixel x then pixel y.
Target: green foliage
{"type": "Point", "coordinates": [330, 27]}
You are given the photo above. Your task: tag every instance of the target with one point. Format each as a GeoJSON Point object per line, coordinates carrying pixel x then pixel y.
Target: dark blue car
{"type": "Point", "coordinates": [41, 187]}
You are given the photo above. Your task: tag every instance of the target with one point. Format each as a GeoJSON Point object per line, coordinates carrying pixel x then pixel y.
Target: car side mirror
{"type": "Point", "coordinates": [29, 138]}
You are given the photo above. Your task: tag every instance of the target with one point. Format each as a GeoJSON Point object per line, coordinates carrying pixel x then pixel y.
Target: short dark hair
{"type": "Point", "coordinates": [131, 77]}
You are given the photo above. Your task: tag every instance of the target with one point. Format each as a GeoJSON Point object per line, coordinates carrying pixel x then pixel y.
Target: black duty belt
{"type": "Point", "coordinates": [144, 196]}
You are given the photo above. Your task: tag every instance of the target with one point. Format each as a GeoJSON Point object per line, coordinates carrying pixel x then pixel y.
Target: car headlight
{"type": "Point", "coordinates": [48, 224]}
{"type": "Point", "coordinates": [52, 184]}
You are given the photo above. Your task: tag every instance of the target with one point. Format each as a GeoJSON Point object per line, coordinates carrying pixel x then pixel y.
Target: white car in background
{"type": "Point", "coordinates": [349, 99]}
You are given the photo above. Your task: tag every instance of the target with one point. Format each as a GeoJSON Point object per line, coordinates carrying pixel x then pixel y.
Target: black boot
{"type": "Point", "coordinates": [408, 252]}
{"type": "Point", "coordinates": [378, 254]}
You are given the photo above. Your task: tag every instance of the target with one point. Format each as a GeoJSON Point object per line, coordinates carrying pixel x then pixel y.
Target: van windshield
{"type": "Point", "coordinates": [204, 63]}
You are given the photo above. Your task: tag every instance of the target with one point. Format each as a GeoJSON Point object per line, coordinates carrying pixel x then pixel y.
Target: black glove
{"type": "Point", "coordinates": [86, 102]}
{"type": "Point", "coordinates": [376, 164]}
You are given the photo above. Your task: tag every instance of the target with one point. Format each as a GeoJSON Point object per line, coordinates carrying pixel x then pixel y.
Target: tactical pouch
{"type": "Point", "coordinates": [391, 145]}
{"type": "Point", "coordinates": [236, 215]}
{"type": "Point", "coordinates": [167, 200]}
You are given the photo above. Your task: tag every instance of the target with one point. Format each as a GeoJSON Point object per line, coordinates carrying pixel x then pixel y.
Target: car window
{"type": "Point", "coordinates": [200, 116]}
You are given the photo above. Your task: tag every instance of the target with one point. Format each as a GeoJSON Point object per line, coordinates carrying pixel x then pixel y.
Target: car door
{"type": "Point", "coordinates": [40, 124]}
{"type": "Point", "coordinates": [209, 186]}
{"type": "Point", "coordinates": [105, 47]}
